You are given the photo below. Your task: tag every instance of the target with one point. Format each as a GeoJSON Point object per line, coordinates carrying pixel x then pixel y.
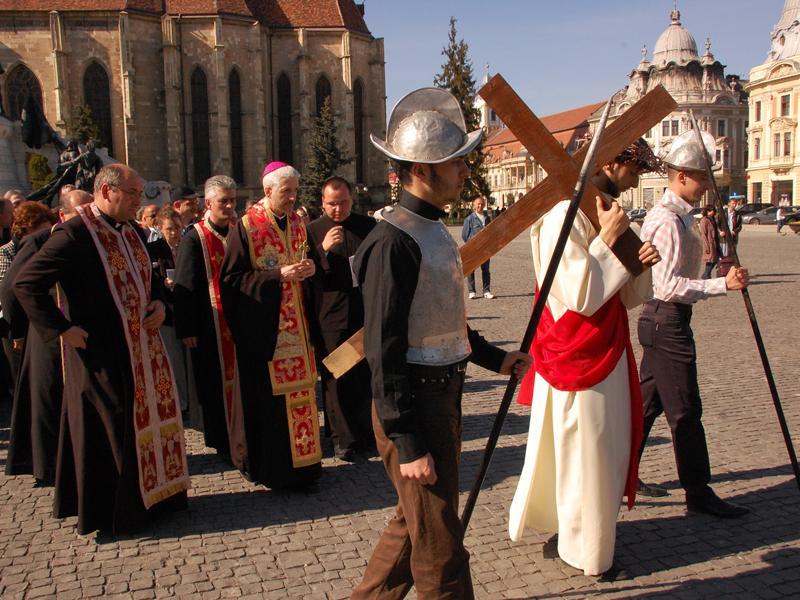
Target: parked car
{"type": "Point", "coordinates": [637, 214]}
{"type": "Point", "coordinates": [767, 216]}
{"type": "Point", "coordinates": [752, 208]}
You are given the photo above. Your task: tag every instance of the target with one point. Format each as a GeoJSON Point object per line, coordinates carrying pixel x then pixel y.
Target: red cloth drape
{"type": "Point", "coordinates": [578, 352]}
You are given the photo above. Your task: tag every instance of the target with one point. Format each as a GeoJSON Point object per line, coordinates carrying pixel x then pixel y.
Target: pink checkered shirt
{"type": "Point", "coordinates": [673, 231]}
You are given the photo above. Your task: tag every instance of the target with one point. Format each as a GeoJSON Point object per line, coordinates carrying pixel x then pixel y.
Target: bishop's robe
{"type": "Point", "coordinates": [36, 413]}
{"type": "Point", "coordinates": [121, 450]}
{"type": "Point", "coordinates": [199, 314]}
{"type": "Point", "coordinates": [578, 462]}
{"type": "Point", "coordinates": [276, 362]}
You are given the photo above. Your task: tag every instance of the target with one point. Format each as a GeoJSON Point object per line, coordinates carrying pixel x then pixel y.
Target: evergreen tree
{"type": "Point", "coordinates": [82, 125]}
{"type": "Point", "coordinates": [325, 158]}
{"type": "Point", "coordinates": [456, 77]}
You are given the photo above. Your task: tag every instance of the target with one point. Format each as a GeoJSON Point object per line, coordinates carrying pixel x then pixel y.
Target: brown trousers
{"type": "Point", "coordinates": [423, 543]}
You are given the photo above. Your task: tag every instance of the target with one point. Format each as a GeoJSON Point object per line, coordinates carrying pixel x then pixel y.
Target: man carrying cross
{"type": "Point", "coordinates": [586, 407]}
{"type": "Point", "coordinates": [417, 344]}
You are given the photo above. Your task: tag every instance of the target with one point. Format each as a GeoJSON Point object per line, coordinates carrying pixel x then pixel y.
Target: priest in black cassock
{"type": "Point", "coordinates": [200, 322]}
{"type": "Point", "coordinates": [36, 416]}
{"type": "Point", "coordinates": [121, 451]}
{"type": "Point", "coordinates": [262, 295]}
{"type": "Point", "coordinates": [339, 309]}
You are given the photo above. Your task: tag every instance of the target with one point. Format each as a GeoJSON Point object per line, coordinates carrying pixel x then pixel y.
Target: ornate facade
{"type": "Point", "coordinates": [698, 84]}
{"type": "Point", "coordinates": [184, 89]}
{"type": "Point", "coordinates": [774, 88]}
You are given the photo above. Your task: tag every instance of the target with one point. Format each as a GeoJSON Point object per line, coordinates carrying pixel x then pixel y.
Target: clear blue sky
{"type": "Point", "coordinates": [560, 55]}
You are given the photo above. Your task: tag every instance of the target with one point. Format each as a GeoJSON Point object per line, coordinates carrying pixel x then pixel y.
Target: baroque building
{"type": "Point", "coordinates": [698, 84]}
{"type": "Point", "coordinates": [183, 89]}
{"type": "Point", "coordinates": [774, 89]}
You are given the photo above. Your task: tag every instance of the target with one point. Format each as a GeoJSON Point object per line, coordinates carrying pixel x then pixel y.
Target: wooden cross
{"type": "Point", "coordinates": [562, 170]}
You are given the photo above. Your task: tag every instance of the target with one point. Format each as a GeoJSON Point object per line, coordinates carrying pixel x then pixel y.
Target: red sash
{"type": "Point", "coordinates": [292, 370]}
{"type": "Point", "coordinates": [214, 246]}
{"type": "Point", "coordinates": [577, 352]}
{"type": "Point", "coordinates": [160, 449]}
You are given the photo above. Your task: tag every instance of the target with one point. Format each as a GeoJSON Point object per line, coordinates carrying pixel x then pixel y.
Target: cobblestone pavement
{"type": "Point", "coordinates": [241, 540]}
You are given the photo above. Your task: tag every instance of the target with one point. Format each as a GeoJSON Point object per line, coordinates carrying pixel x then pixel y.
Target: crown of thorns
{"type": "Point", "coordinates": [640, 153]}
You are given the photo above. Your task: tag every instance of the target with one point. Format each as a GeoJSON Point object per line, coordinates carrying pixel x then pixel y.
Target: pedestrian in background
{"type": "Point", "coordinates": [473, 225]}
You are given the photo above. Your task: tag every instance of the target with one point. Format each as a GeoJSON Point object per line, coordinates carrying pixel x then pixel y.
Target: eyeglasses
{"type": "Point", "coordinates": [132, 193]}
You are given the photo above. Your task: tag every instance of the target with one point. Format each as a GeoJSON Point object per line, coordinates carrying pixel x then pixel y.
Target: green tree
{"type": "Point", "coordinates": [326, 156]}
{"type": "Point", "coordinates": [456, 77]}
{"type": "Point", "coordinates": [82, 125]}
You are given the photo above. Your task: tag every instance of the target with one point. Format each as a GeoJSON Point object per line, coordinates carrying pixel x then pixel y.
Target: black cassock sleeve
{"type": "Point", "coordinates": [57, 257]}
{"type": "Point", "coordinates": [191, 286]}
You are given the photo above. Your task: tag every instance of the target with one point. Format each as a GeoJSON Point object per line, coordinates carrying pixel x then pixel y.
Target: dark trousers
{"type": "Point", "coordinates": [708, 269]}
{"type": "Point", "coordinates": [347, 400]}
{"type": "Point", "coordinates": [423, 543]}
{"type": "Point", "coordinates": [668, 376]}
{"type": "Point", "coordinates": [486, 279]}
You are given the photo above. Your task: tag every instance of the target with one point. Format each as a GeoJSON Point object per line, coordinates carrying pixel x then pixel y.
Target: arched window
{"type": "Point", "coordinates": [97, 96]}
{"type": "Point", "coordinates": [201, 146]}
{"type": "Point", "coordinates": [323, 90]}
{"type": "Point", "coordinates": [284, 119]}
{"type": "Point", "coordinates": [358, 129]}
{"type": "Point", "coordinates": [235, 107]}
{"type": "Point", "coordinates": [21, 83]}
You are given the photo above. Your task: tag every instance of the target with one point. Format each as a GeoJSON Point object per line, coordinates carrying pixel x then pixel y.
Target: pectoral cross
{"type": "Point", "coordinates": [562, 170]}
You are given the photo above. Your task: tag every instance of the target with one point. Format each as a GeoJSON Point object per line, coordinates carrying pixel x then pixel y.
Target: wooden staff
{"type": "Point", "coordinates": [538, 307]}
{"type": "Point", "coordinates": [751, 313]}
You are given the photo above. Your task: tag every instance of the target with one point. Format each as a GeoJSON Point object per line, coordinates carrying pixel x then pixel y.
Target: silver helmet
{"type": "Point", "coordinates": [685, 153]}
{"type": "Point", "coordinates": [427, 126]}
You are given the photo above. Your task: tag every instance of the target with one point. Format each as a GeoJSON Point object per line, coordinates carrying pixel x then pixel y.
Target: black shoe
{"type": "Point", "coordinates": [650, 490]}
{"type": "Point", "coordinates": [711, 504]}
{"type": "Point", "coordinates": [615, 573]}
{"type": "Point", "coordinates": [346, 454]}
{"type": "Point", "coordinates": [550, 548]}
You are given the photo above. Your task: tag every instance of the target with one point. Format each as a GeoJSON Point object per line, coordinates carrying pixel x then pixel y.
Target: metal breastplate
{"type": "Point", "coordinates": [437, 322]}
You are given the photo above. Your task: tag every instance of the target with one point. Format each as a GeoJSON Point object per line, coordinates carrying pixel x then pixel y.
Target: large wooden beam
{"type": "Point", "coordinates": [626, 129]}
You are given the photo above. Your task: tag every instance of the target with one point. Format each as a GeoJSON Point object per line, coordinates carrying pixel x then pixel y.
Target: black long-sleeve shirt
{"type": "Point", "coordinates": [387, 266]}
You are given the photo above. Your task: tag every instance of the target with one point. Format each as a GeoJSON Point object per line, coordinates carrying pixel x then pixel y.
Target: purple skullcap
{"type": "Point", "coordinates": [274, 166]}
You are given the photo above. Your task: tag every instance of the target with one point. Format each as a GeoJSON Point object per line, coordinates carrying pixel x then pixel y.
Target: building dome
{"type": "Point", "coordinates": [675, 44]}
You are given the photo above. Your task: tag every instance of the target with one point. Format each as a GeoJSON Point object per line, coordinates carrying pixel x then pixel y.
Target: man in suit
{"type": "Point", "coordinates": [339, 309]}
{"type": "Point", "coordinates": [473, 225]}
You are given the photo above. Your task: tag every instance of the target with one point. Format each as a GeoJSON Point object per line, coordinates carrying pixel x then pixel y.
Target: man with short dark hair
{"type": "Point", "coordinates": [122, 453]}
{"type": "Point", "coordinates": [339, 309]}
{"type": "Point", "coordinates": [417, 344]}
{"type": "Point", "coordinates": [187, 206]}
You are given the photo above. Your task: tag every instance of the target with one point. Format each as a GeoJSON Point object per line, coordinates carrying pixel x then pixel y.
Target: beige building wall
{"type": "Point", "coordinates": [773, 175]}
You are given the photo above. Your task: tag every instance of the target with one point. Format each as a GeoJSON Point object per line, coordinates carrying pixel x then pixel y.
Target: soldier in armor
{"type": "Point", "coordinates": [417, 344]}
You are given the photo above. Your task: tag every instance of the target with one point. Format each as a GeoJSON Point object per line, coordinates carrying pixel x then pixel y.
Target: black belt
{"type": "Point", "coordinates": [681, 308]}
{"type": "Point", "coordinates": [436, 374]}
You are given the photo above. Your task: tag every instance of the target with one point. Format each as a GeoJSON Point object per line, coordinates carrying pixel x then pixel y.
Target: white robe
{"type": "Point", "coordinates": [576, 462]}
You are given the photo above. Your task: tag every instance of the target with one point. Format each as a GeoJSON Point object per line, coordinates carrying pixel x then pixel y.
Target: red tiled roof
{"type": "Point", "coordinates": [310, 13]}
{"type": "Point", "coordinates": [156, 6]}
{"type": "Point", "coordinates": [565, 126]}
{"type": "Point", "coordinates": [276, 13]}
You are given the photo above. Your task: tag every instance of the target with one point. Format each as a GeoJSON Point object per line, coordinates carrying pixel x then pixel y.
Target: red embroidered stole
{"type": "Point", "coordinates": [578, 352]}
{"type": "Point", "coordinates": [214, 246]}
{"type": "Point", "coordinates": [160, 450]}
{"type": "Point", "coordinates": [292, 370]}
